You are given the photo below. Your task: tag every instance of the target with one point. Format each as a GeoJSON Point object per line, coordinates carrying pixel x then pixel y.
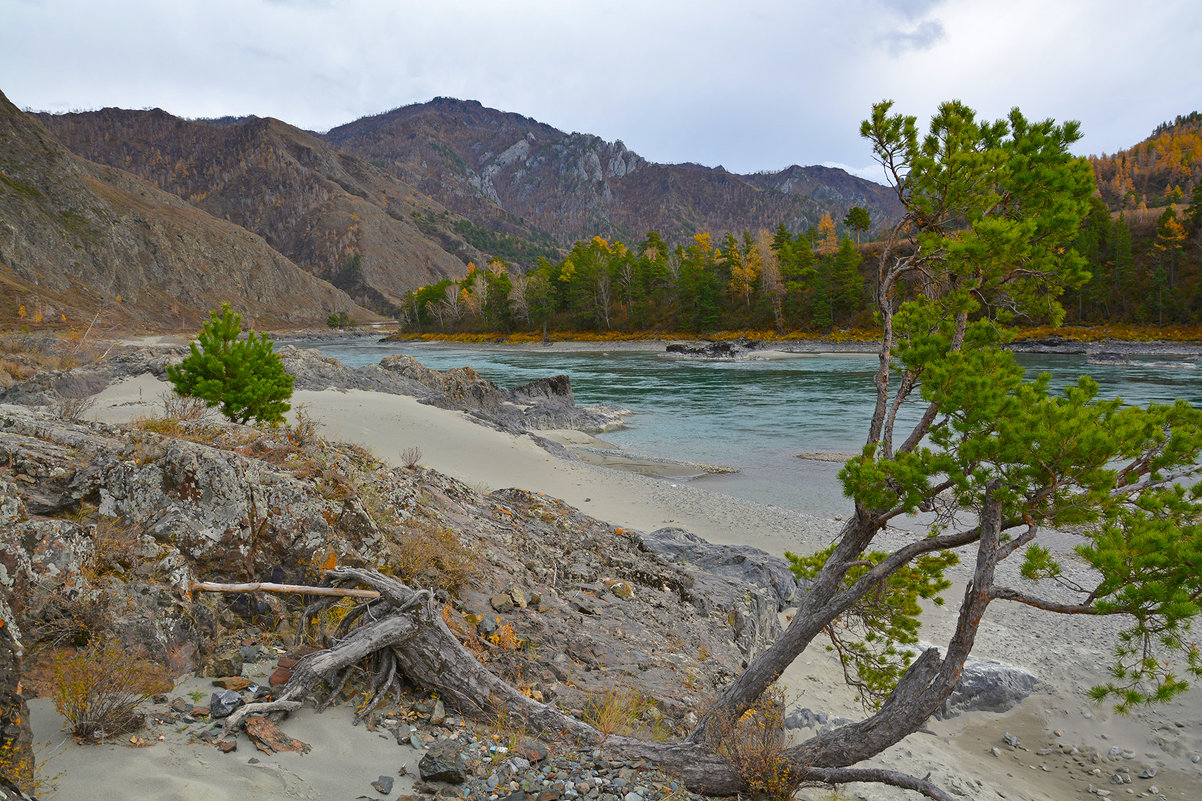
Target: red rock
{"type": "Point", "coordinates": [286, 662]}
{"type": "Point", "coordinates": [227, 746]}
{"type": "Point", "coordinates": [280, 677]}
{"type": "Point", "coordinates": [232, 682]}
{"type": "Point", "coordinates": [268, 738]}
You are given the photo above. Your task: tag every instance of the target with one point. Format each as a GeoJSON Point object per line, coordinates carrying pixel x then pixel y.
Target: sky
{"type": "Point", "coordinates": [750, 85]}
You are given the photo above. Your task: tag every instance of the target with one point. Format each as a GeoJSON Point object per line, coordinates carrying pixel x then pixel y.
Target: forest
{"type": "Point", "coordinates": [1143, 269]}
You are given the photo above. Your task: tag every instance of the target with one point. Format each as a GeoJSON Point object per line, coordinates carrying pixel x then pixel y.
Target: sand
{"type": "Point", "coordinates": [1068, 655]}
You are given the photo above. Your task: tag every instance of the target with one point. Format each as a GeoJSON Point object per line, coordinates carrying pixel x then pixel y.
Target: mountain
{"type": "Point", "coordinates": [1164, 168]}
{"type": "Point", "coordinates": [76, 237]}
{"type": "Point", "coordinates": [340, 218]}
{"type": "Point", "coordinates": [513, 174]}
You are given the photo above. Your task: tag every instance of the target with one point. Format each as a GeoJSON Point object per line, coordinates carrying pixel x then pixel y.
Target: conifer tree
{"type": "Point", "coordinates": [245, 377]}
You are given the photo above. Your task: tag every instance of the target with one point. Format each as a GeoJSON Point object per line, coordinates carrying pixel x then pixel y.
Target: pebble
{"type": "Point", "coordinates": [1010, 740]}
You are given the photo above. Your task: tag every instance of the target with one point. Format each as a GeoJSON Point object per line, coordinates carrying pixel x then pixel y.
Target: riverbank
{"type": "Point", "coordinates": [1064, 740]}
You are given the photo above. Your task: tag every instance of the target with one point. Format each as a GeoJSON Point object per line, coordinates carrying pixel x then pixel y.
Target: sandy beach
{"type": "Point", "coordinates": [1066, 655]}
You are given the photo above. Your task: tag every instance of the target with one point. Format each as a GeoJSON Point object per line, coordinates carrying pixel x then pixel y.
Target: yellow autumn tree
{"type": "Point", "coordinates": [828, 240]}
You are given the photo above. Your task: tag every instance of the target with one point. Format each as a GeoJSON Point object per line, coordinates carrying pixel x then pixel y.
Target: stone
{"type": "Point", "coordinates": [438, 714]}
{"type": "Point", "coordinates": [1148, 772]}
{"type": "Point", "coordinates": [268, 738]}
{"type": "Point", "coordinates": [383, 785]}
{"type": "Point", "coordinates": [502, 602]}
{"type": "Point", "coordinates": [227, 746]}
{"type": "Point", "coordinates": [280, 676]}
{"type": "Point", "coordinates": [443, 763]}
{"type": "Point", "coordinates": [531, 750]}
{"type": "Point", "coordinates": [518, 597]}
{"type": "Point", "coordinates": [232, 682]}
{"type": "Point", "coordinates": [222, 663]}
{"type": "Point", "coordinates": [222, 704]}
{"type": "Point", "coordinates": [182, 706]}
{"type": "Point", "coordinates": [987, 686]}
{"type": "Point", "coordinates": [1010, 740]}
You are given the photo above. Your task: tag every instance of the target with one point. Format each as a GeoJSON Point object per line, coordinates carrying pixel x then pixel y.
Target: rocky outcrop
{"type": "Point", "coordinates": [721, 349]}
{"type": "Point", "coordinates": [16, 739]}
{"type": "Point", "coordinates": [118, 522]}
{"type": "Point", "coordinates": [742, 563]}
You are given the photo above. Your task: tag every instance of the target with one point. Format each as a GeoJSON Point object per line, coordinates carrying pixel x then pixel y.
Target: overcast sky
{"type": "Point", "coordinates": [751, 85]}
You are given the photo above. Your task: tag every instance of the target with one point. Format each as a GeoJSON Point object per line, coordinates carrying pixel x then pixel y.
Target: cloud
{"type": "Point", "coordinates": [873, 172]}
{"type": "Point", "coordinates": [923, 36]}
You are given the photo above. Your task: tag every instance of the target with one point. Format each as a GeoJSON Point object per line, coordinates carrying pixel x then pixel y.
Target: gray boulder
{"type": "Point", "coordinates": [443, 763]}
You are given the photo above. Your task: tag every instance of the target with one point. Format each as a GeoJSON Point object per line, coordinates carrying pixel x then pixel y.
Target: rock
{"type": "Point", "coordinates": [438, 714]}
{"type": "Point", "coordinates": [743, 563]}
{"type": "Point", "coordinates": [1010, 740]}
{"type": "Point", "coordinates": [502, 602]}
{"type": "Point", "coordinates": [268, 738]}
{"type": "Point", "coordinates": [227, 746]}
{"type": "Point", "coordinates": [987, 686]}
{"type": "Point", "coordinates": [222, 704]}
{"type": "Point", "coordinates": [443, 763]}
{"type": "Point", "coordinates": [530, 750]}
{"type": "Point", "coordinates": [182, 706]}
{"type": "Point", "coordinates": [16, 739]}
{"type": "Point", "coordinates": [518, 597]}
{"type": "Point", "coordinates": [1148, 772]}
{"type": "Point", "coordinates": [619, 588]}
{"type": "Point", "coordinates": [232, 682]}
{"type": "Point", "coordinates": [222, 663]}
{"type": "Point", "coordinates": [383, 785]}
{"type": "Point", "coordinates": [280, 676]}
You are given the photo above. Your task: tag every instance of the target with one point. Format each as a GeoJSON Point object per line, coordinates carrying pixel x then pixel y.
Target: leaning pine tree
{"type": "Point", "coordinates": [990, 211]}
{"type": "Point", "coordinates": [245, 377]}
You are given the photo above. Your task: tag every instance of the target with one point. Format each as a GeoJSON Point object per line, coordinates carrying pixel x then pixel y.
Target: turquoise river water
{"type": "Point", "coordinates": [756, 416]}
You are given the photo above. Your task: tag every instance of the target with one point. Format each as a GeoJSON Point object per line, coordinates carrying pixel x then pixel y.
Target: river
{"type": "Point", "coordinates": [757, 416]}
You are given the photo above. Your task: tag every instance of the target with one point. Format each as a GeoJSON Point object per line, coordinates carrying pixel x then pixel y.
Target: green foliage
{"type": "Point", "coordinates": [870, 638]}
{"type": "Point", "coordinates": [245, 377]}
{"type": "Point", "coordinates": [340, 320]}
{"type": "Point", "coordinates": [992, 212]}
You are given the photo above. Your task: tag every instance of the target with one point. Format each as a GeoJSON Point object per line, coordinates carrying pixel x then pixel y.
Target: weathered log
{"type": "Point", "coordinates": [284, 589]}
{"type": "Point", "coordinates": [407, 625]}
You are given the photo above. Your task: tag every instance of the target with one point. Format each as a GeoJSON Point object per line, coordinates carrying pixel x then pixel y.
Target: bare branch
{"type": "Point", "coordinates": [1086, 608]}
{"type": "Point", "coordinates": [283, 589]}
{"type": "Point", "coordinates": [892, 778]}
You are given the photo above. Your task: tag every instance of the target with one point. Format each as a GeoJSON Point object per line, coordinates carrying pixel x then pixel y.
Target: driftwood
{"type": "Point", "coordinates": [403, 632]}
{"type": "Point", "coordinates": [283, 589]}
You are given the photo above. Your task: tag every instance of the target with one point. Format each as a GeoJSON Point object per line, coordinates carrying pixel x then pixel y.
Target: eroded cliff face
{"type": "Point", "coordinates": [16, 740]}
{"type": "Point", "coordinates": [77, 237]}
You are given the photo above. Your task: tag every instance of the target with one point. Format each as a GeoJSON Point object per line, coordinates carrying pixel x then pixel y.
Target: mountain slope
{"type": "Point", "coordinates": [1164, 168]}
{"type": "Point", "coordinates": [77, 236]}
{"type": "Point", "coordinates": [336, 216]}
{"type": "Point", "coordinates": [506, 171]}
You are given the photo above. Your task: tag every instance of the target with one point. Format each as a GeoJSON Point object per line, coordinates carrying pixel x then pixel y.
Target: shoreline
{"type": "Point", "coordinates": [1066, 655]}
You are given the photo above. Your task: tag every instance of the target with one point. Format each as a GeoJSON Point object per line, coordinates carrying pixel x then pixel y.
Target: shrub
{"type": "Point", "coordinates": [98, 689]}
{"type": "Point", "coordinates": [618, 710]}
{"type": "Point", "coordinates": [427, 555]}
{"type": "Point", "coordinates": [754, 744]}
{"type": "Point", "coordinates": [245, 377]}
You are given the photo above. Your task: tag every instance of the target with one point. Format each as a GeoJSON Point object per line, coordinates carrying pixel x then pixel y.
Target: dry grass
{"type": "Point", "coordinates": [428, 555]}
{"type": "Point", "coordinates": [98, 689]}
{"type": "Point", "coordinates": [618, 710]}
{"type": "Point", "coordinates": [755, 743]}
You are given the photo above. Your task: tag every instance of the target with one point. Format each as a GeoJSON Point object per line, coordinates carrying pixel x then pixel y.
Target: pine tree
{"type": "Point", "coordinates": [245, 377]}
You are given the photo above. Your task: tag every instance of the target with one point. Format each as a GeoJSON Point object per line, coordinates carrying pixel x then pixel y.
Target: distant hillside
{"type": "Point", "coordinates": [77, 236]}
{"type": "Point", "coordinates": [1164, 168]}
{"type": "Point", "coordinates": [339, 218]}
{"type": "Point", "coordinates": [511, 173]}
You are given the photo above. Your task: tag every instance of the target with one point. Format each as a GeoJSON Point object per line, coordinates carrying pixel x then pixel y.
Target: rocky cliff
{"type": "Point", "coordinates": [495, 167]}
{"type": "Point", "coordinates": [76, 237]}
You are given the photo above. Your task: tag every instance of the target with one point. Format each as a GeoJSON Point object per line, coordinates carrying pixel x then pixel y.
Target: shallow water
{"type": "Point", "coordinates": [756, 416]}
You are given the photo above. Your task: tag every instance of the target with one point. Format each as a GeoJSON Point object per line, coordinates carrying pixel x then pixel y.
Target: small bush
{"type": "Point", "coordinates": [98, 689]}
{"type": "Point", "coordinates": [58, 620]}
{"type": "Point", "coordinates": [411, 456]}
{"type": "Point", "coordinates": [430, 556]}
{"type": "Point", "coordinates": [618, 710]}
{"type": "Point", "coordinates": [71, 407]}
{"type": "Point", "coordinates": [755, 744]}
{"type": "Point", "coordinates": [183, 407]}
